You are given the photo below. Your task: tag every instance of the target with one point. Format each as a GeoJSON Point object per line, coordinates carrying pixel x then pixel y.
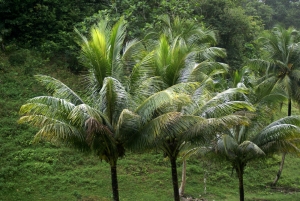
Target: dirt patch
{"type": "Point", "coordinates": [287, 190]}
{"type": "Point", "coordinates": [192, 199]}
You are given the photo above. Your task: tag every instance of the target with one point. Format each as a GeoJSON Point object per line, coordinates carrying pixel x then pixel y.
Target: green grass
{"type": "Point", "coordinates": [44, 172]}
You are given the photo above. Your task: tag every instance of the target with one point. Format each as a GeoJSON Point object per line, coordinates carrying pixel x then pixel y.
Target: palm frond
{"type": "Point", "coordinates": [115, 46]}
{"type": "Point", "coordinates": [94, 54]}
{"type": "Point", "coordinates": [59, 89]}
{"type": "Point", "coordinates": [202, 71]}
{"type": "Point", "coordinates": [211, 53]}
{"type": "Point", "coordinates": [128, 128]}
{"type": "Point", "coordinates": [157, 100]}
{"type": "Point", "coordinates": [162, 55]}
{"type": "Point", "coordinates": [142, 70]}
{"type": "Point", "coordinates": [54, 103]}
{"type": "Point", "coordinates": [166, 126]}
{"type": "Point", "coordinates": [145, 88]}
{"type": "Point", "coordinates": [249, 151]}
{"type": "Point", "coordinates": [223, 97]}
{"type": "Point", "coordinates": [112, 99]}
{"type": "Point", "coordinates": [60, 131]}
{"type": "Point", "coordinates": [285, 129]}
{"type": "Point", "coordinates": [47, 106]}
{"type": "Point", "coordinates": [81, 113]}
{"type": "Point", "coordinates": [227, 146]}
{"type": "Point", "coordinates": [133, 52]}
{"type": "Point", "coordinates": [226, 108]}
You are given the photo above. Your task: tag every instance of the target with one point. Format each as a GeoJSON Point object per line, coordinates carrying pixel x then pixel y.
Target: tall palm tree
{"type": "Point", "coordinates": [184, 60]}
{"type": "Point", "coordinates": [95, 122]}
{"type": "Point", "coordinates": [281, 63]}
{"type": "Point", "coordinates": [181, 59]}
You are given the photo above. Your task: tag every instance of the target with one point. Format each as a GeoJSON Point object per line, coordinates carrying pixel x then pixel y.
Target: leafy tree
{"type": "Point", "coordinates": [285, 13]}
{"type": "Point", "coordinates": [32, 20]}
{"type": "Point", "coordinates": [235, 29]}
{"type": "Point", "coordinates": [292, 16]}
{"type": "Point", "coordinates": [141, 14]}
{"type": "Point", "coordinates": [47, 26]}
{"type": "Point", "coordinates": [261, 10]}
{"type": "Point", "coordinates": [280, 60]}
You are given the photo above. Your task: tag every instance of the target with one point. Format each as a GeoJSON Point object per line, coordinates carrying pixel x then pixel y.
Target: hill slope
{"type": "Point", "coordinates": [44, 172]}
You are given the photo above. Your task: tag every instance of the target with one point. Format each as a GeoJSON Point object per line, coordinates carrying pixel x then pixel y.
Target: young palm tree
{"type": "Point", "coordinates": [281, 62]}
{"type": "Point", "coordinates": [243, 144]}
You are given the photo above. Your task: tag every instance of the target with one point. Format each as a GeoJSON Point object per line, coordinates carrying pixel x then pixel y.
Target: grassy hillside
{"type": "Point", "coordinates": [44, 172]}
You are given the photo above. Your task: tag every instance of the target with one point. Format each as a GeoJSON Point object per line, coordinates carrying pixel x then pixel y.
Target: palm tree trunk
{"type": "Point", "coordinates": [183, 178]}
{"type": "Point", "coordinates": [174, 179]}
{"type": "Point", "coordinates": [240, 173]}
{"type": "Point", "coordinates": [290, 107]}
{"type": "Point", "coordinates": [114, 182]}
{"type": "Point", "coordinates": [279, 171]}
{"type": "Point", "coordinates": [283, 155]}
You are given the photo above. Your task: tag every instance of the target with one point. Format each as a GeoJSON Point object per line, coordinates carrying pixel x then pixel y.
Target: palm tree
{"type": "Point", "coordinates": [64, 118]}
{"type": "Point", "coordinates": [244, 144]}
{"type": "Point", "coordinates": [94, 122]}
{"type": "Point", "coordinates": [168, 125]}
{"type": "Point", "coordinates": [281, 62]}
{"type": "Point", "coordinates": [181, 57]}
{"type": "Point", "coordinates": [184, 60]}
{"type": "Point", "coordinates": [263, 101]}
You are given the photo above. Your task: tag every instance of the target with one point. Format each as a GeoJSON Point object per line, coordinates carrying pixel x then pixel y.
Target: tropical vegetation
{"type": "Point", "coordinates": [206, 81]}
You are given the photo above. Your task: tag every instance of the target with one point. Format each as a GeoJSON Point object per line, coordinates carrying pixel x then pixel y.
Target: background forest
{"type": "Point", "coordinates": [230, 71]}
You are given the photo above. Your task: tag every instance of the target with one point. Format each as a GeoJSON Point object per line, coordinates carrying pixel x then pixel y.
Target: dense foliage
{"type": "Point", "coordinates": [48, 25]}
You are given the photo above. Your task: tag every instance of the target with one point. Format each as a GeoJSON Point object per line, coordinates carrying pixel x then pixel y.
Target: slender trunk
{"type": "Point", "coordinates": [279, 171]}
{"type": "Point", "coordinates": [240, 173]}
{"type": "Point", "coordinates": [283, 155]}
{"type": "Point", "coordinates": [174, 179]}
{"type": "Point", "coordinates": [114, 182]}
{"type": "Point", "coordinates": [290, 107]}
{"type": "Point", "coordinates": [183, 178]}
